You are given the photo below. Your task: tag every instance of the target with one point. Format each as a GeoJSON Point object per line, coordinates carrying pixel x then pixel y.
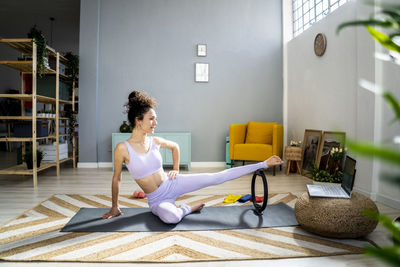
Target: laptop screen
{"type": "Point", "coordinates": [349, 173]}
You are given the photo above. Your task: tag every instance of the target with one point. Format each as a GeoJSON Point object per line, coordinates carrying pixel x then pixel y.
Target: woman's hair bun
{"type": "Point", "coordinates": [133, 97]}
{"type": "Point", "coordinates": [139, 103]}
{"type": "Point", "coordinates": [140, 99]}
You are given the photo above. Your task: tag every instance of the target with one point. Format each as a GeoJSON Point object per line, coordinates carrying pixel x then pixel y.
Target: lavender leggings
{"type": "Point", "coordinates": [162, 200]}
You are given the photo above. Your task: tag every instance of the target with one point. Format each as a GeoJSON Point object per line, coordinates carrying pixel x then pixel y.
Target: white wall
{"type": "Point", "coordinates": [324, 92]}
{"type": "Point", "coordinates": [390, 80]}
{"type": "Point", "coordinates": [320, 87]}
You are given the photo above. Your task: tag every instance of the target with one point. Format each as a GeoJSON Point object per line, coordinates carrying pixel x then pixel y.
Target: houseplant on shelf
{"type": "Point", "coordinates": [28, 158]}
{"type": "Point", "coordinates": [72, 121]}
{"type": "Point", "coordinates": [388, 17]}
{"type": "Point", "coordinates": [41, 51]}
{"type": "Point", "coordinates": [72, 65]}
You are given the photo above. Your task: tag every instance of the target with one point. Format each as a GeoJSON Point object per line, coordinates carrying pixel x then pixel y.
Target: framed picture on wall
{"type": "Point", "coordinates": [201, 72]}
{"type": "Point", "coordinates": [329, 140]}
{"type": "Point", "coordinates": [201, 50]}
{"type": "Point", "coordinates": [311, 143]}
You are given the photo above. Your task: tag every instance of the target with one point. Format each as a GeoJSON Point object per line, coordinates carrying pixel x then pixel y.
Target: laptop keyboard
{"type": "Point", "coordinates": [333, 190]}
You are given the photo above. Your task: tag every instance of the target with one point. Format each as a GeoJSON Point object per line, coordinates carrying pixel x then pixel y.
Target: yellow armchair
{"type": "Point", "coordinates": [255, 141]}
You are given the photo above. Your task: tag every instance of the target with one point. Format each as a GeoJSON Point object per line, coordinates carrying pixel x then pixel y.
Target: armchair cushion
{"type": "Point", "coordinates": [259, 132]}
{"type": "Point", "coordinates": [237, 135]}
{"type": "Point", "coordinates": [253, 152]}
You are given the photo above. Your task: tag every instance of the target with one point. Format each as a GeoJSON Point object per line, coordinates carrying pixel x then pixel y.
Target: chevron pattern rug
{"type": "Point", "coordinates": [35, 236]}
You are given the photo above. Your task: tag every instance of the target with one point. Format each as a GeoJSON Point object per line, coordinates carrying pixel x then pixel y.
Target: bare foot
{"type": "Point", "coordinates": [198, 207]}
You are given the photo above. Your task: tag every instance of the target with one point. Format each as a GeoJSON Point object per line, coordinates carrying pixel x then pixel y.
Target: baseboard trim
{"type": "Point", "coordinates": [372, 196]}
{"type": "Point", "coordinates": [394, 203]}
{"type": "Point", "coordinates": [104, 165]}
{"type": "Point", "coordinates": [208, 164]}
{"type": "Point", "coordinates": [88, 165]}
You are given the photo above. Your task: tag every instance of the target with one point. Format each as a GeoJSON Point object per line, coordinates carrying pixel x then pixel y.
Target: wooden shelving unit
{"type": "Point", "coordinates": [28, 48]}
{"type": "Point", "coordinates": [42, 99]}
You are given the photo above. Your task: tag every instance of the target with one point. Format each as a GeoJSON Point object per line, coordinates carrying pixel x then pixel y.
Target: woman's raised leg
{"type": "Point", "coordinates": [191, 182]}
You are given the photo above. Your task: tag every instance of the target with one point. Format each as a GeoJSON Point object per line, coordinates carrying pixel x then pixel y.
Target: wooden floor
{"type": "Point", "coordinates": [17, 195]}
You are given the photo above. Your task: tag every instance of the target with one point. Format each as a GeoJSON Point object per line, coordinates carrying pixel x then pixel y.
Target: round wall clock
{"type": "Point", "coordinates": [320, 44]}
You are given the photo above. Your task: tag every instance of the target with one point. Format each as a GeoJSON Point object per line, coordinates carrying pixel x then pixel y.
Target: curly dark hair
{"type": "Point", "coordinates": [139, 103]}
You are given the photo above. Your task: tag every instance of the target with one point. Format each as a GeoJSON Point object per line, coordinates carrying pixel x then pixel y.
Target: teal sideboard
{"type": "Point", "coordinates": [227, 160]}
{"type": "Point", "coordinates": [182, 139]}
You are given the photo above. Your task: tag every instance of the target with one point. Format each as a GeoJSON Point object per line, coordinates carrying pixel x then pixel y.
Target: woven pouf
{"type": "Point", "coordinates": [335, 217]}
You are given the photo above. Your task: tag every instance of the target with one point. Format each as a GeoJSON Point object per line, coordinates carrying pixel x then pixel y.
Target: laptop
{"type": "Point", "coordinates": [343, 191]}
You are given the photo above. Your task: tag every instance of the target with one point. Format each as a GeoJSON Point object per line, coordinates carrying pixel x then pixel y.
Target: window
{"type": "Point", "coordinates": [306, 12]}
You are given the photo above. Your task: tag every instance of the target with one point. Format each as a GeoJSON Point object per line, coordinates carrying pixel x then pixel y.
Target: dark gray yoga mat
{"type": "Point", "coordinates": [210, 218]}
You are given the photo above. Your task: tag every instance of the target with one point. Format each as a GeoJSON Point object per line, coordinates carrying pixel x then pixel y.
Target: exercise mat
{"type": "Point", "coordinates": [210, 218]}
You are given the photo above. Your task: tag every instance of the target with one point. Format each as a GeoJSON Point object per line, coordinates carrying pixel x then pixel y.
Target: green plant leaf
{"type": "Point", "coordinates": [385, 5]}
{"type": "Point", "coordinates": [393, 227]}
{"type": "Point", "coordinates": [383, 39]}
{"type": "Point", "coordinates": [391, 13]}
{"type": "Point", "coordinates": [390, 255]}
{"type": "Point", "coordinates": [392, 35]}
{"type": "Point", "coordinates": [371, 150]}
{"type": "Point", "coordinates": [370, 22]}
{"type": "Point", "coordinates": [393, 103]}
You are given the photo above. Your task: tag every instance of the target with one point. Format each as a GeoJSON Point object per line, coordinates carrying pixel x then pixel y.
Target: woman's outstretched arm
{"type": "Point", "coordinates": [116, 182]}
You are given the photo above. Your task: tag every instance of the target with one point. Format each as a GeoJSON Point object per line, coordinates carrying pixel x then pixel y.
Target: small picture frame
{"type": "Point", "coordinates": [310, 149]}
{"type": "Point", "coordinates": [329, 140]}
{"type": "Point", "coordinates": [201, 50]}
{"type": "Point", "coordinates": [201, 72]}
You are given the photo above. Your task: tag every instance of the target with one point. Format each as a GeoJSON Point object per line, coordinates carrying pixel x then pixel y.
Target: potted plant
{"type": "Point", "coordinates": [388, 18]}
{"type": "Point", "coordinates": [72, 121]}
{"type": "Point", "coordinates": [323, 176]}
{"type": "Point", "coordinates": [295, 143]}
{"type": "Point", "coordinates": [41, 44]}
{"type": "Point", "coordinates": [337, 157]}
{"type": "Point", "coordinates": [28, 158]}
{"type": "Point", "coordinates": [72, 65]}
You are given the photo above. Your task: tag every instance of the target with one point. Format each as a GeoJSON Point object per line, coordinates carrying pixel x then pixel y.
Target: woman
{"type": "Point", "coordinates": [141, 155]}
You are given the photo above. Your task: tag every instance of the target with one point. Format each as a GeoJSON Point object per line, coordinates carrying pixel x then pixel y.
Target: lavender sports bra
{"type": "Point", "coordinates": [143, 165]}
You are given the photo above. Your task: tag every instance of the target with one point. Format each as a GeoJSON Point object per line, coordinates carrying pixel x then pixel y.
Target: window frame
{"type": "Point", "coordinates": [306, 12]}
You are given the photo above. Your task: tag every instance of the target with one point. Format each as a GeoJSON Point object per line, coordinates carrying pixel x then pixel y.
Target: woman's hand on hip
{"type": "Point", "coordinates": [114, 212]}
{"type": "Point", "coordinates": [173, 174]}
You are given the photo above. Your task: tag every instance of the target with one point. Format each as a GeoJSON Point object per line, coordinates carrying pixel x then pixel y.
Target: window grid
{"type": "Point", "coordinates": [307, 12]}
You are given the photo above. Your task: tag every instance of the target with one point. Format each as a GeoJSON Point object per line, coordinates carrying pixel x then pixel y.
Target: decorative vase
{"type": "Point", "coordinates": [124, 128]}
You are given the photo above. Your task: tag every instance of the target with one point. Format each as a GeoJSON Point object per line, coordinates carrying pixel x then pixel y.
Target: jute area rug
{"type": "Point", "coordinates": [35, 236]}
